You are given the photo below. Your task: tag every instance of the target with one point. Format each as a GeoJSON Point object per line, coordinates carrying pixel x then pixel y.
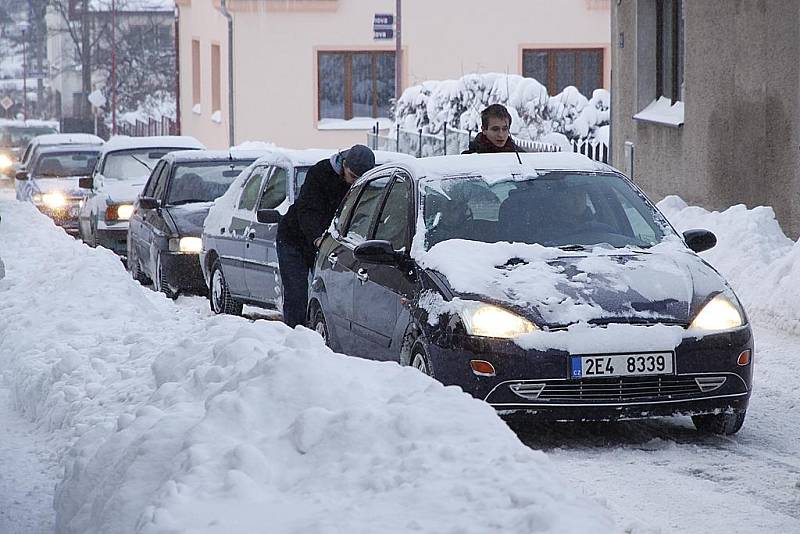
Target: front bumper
{"type": "Point", "coordinates": [707, 379]}
{"type": "Point", "coordinates": [183, 273]}
{"type": "Point", "coordinates": [114, 237]}
{"type": "Point", "coordinates": [66, 217]}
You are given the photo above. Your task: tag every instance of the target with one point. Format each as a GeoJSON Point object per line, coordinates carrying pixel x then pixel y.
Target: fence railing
{"type": "Point", "coordinates": [453, 141]}
{"type": "Point", "coordinates": [163, 126]}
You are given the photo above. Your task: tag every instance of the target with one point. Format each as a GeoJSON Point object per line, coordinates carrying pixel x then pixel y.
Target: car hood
{"type": "Point", "coordinates": [666, 284]}
{"type": "Point", "coordinates": [189, 218]}
{"type": "Point", "coordinates": [68, 186]}
{"type": "Point", "coordinates": [122, 191]}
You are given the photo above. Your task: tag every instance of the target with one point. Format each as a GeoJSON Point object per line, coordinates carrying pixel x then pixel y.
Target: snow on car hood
{"type": "Point", "coordinates": [67, 186]}
{"type": "Point", "coordinates": [189, 218]}
{"type": "Point", "coordinates": [554, 287]}
{"type": "Point", "coordinates": [123, 191]}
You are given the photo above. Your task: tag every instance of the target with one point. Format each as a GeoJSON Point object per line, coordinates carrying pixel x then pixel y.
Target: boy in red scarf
{"type": "Point", "coordinates": [494, 136]}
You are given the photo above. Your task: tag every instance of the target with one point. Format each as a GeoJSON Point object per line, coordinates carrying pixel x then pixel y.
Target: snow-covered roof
{"type": "Point", "coordinates": [30, 122]}
{"type": "Point", "coordinates": [69, 148]}
{"type": "Point", "coordinates": [132, 5]}
{"type": "Point", "coordinates": [68, 139]}
{"type": "Point", "coordinates": [310, 156]}
{"type": "Point", "coordinates": [504, 164]}
{"type": "Point", "coordinates": [123, 142]}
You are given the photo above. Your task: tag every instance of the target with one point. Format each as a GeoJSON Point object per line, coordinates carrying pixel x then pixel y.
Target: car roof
{"type": "Point", "coordinates": [67, 139]}
{"type": "Point", "coordinates": [506, 164]}
{"type": "Point", "coordinates": [66, 149]}
{"type": "Point", "coordinates": [123, 142]}
{"type": "Point", "coordinates": [182, 156]}
{"type": "Point", "coordinates": [310, 156]}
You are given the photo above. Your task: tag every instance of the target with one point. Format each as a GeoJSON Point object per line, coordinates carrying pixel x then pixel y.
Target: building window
{"type": "Point", "coordinates": [558, 68]}
{"type": "Point", "coordinates": [216, 98]}
{"type": "Point", "coordinates": [195, 72]}
{"type": "Point", "coordinates": [669, 49]}
{"type": "Point", "coordinates": [355, 84]}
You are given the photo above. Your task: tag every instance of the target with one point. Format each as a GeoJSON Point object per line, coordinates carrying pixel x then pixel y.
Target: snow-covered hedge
{"type": "Point", "coordinates": [535, 114]}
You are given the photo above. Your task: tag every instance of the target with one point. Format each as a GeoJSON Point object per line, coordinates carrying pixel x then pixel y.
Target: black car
{"type": "Point", "coordinates": [164, 231]}
{"type": "Point", "coordinates": [551, 288]}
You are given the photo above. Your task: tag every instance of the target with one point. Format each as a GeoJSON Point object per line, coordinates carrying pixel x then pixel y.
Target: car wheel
{"type": "Point", "coordinates": [319, 325]}
{"type": "Point", "coordinates": [724, 423]}
{"type": "Point", "coordinates": [160, 282]}
{"type": "Point", "coordinates": [219, 296]}
{"type": "Point", "coordinates": [134, 268]}
{"type": "Point", "coordinates": [420, 360]}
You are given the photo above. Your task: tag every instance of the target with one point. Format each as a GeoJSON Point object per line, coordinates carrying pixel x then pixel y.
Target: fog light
{"type": "Point", "coordinates": [744, 358]}
{"type": "Point", "coordinates": [482, 367]}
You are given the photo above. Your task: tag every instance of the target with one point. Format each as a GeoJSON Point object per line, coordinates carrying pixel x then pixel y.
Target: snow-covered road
{"type": "Point", "coordinates": [653, 477]}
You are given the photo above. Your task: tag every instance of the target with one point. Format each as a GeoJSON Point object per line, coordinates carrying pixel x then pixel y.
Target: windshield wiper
{"type": "Point", "coordinates": [188, 201]}
{"type": "Point", "coordinates": [146, 166]}
{"type": "Point", "coordinates": [572, 247]}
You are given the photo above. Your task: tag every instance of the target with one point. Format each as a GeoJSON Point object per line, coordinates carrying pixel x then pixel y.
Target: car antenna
{"type": "Point", "coordinates": [516, 151]}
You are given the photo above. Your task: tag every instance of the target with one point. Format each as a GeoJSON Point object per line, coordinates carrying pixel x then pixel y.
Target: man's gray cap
{"type": "Point", "coordinates": [359, 159]}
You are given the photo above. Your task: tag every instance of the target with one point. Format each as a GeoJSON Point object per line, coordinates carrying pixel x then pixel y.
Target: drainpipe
{"type": "Point", "coordinates": [227, 15]}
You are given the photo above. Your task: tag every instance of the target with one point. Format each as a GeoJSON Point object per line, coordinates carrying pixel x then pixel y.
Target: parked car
{"type": "Point", "coordinates": [121, 172]}
{"type": "Point", "coordinates": [553, 288]}
{"type": "Point", "coordinates": [167, 220]}
{"type": "Point", "coordinates": [238, 258]}
{"type": "Point", "coordinates": [51, 182]}
{"type": "Point", "coordinates": [14, 136]}
{"type": "Point", "coordinates": [51, 139]}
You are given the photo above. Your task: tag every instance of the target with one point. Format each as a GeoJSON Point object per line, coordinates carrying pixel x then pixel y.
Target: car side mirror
{"type": "Point", "coordinates": [699, 240]}
{"type": "Point", "coordinates": [21, 175]}
{"type": "Point", "coordinates": [269, 216]}
{"type": "Point", "coordinates": [149, 203]}
{"type": "Point", "coordinates": [86, 183]}
{"type": "Point", "coordinates": [377, 251]}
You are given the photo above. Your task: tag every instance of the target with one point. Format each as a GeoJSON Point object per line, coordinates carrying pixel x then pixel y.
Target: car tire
{"type": "Point", "coordinates": [160, 282]}
{"type": "Point", "coordinates": [319, 325]}
{"type": "Point", "coordinates": [420, 360]}
{"type": "Point", "coordinates": [219, 296]}
{"type": "Point", "coordinates": [725, 424]}
{"type": "Point", "coordinates": [134, 268]}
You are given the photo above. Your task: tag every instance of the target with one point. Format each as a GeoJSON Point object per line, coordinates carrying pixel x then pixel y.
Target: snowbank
{"type": "Point", "coordinates": [168, 419]}
{"type": "Point", "coordinates": [753, 253]}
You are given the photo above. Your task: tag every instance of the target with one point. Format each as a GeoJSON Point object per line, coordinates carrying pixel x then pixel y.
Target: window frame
{"type": "Point", "coordinates": [257, 170]}
{"type": "Point", "coordinates": [398, 176]}
{"type": "Point", "coordinates": [677, 37]}
{"type": "Point", "coordinates": [552, 90]}
{"type": "Point", "coordinates": [348, 80]}
{"type": "Point", "coordinates": [371, 228]}
{"type": "Point", "coordinates": [273, 170]}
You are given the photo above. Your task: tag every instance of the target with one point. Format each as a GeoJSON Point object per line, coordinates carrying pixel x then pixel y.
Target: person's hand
{"type": "Point", "coordinates": [318, 241]}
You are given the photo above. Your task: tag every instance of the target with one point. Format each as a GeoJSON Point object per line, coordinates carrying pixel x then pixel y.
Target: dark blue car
{"type": "Point", "coordinates": [553, 288]}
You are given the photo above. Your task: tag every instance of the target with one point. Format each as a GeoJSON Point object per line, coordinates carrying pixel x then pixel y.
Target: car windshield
{"type": "Point", "coordinates": [203, 181]}
{"type": "Point", "coordinates": [20, 136]}
{"type": "Point", "coordinates": [134, 163]}
{"type": "Point", "coordinates": [65, 164]}
{"type": "Point", "coordinates": [557, 209]}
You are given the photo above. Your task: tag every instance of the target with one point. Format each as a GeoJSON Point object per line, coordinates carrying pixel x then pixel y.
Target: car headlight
{"type": "Point", "coordinates": [720, 313]}
{"type": "Point", "coordinates": [487, 320]}
{"type": "Point", "coordinates": [5, 162]}
{"type": "Point", "coordinates": [119, 212]}
{"type": "Point", "coordinates": [188, 245]}
{"type": "Point", "coordinates": [54, 200]}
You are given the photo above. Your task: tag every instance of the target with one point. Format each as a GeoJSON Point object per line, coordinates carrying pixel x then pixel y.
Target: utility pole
{"type": "Point", "coordinates": [113, 67]}
{"type": "Point", "coordinates": [398, 52]}
{"type": "Point", "coordinates": [86, 63]}
{"type": "Point", "coordinates": [24, 71]}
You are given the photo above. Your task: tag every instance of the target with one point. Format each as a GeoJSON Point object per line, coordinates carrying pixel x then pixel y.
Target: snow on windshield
{"type": "Point", "coordinates": [554, 209]}
{"type": "Point", "coordinates": [124, 165]}
{"type": "Point", "coordinates": [65, 164]}
{"type": "Point", "coordinates": [203, 182]}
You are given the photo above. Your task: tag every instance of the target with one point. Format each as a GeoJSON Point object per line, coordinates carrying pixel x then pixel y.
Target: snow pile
{"type": "Point", "coordinates": [153, 107]}
{"type": "Point", "coordinates": [753, 253]}
{"type": "Point", "coordinates": [168, 419]}
{"type": "Point", "coordinates": [535, 115]}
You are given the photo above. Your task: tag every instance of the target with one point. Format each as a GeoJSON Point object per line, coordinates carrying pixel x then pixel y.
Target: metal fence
{"type": "Point", "coordinates": [164, 126]}
{"type": "Point", "coordinates": [453, 141]}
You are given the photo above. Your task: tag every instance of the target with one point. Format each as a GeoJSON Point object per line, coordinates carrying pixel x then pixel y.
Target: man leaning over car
{"type": "Point", "coordinates": [300, 231]}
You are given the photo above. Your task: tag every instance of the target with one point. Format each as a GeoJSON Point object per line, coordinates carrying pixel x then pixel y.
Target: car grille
{"type": "Point", "coordinates": [629, 388]}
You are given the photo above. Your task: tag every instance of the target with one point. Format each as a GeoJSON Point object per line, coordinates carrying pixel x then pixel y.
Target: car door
{"type": "Point", "coordinates": [262, 274]}
{"type": "Point", "coordinates": [380, 291]}
{"type": "Point", "coordinates": [152, 226]}
{"type": "Point", "coordinates": [136, 222]}
{"type": "Point", "coordinates": [358, 228]}
{"type": "Point", "coordinates": [233, 241]}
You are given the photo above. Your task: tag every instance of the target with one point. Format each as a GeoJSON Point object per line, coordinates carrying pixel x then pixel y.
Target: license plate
{"type": "Point", "coordinates": [652, 363]}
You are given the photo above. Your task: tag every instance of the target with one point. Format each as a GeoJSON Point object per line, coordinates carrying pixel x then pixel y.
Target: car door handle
{"type": "Point", "coordinates": [362, 276]}
{"type": "Point", "coordinates": [333, 258]}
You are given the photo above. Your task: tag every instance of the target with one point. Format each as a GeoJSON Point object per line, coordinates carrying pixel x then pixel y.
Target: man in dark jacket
{"type": "Point", "coordinates": [301, 229]}
{"type": "Point", "coordinates": [494, 136]}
